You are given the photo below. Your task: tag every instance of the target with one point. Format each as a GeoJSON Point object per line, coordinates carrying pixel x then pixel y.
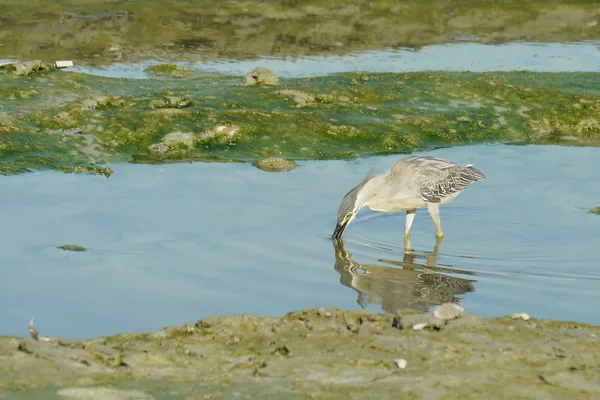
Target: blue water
{"type": "Point", "coordinates": [474, 57]}
{"type": "Point", "coordinates": [174, 243]}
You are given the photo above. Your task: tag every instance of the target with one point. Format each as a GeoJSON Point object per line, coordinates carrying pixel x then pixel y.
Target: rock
{"type": "Point", "coordinates": [221, 133]}
{"type": "Point", "coordinates": [101, 393]}
{"type": "Point", "coordinates": [448, 311]}
{"type": "Point", "coordinates": [175, 139]}
{"type": "Point", "coordinates": [159, 148]}
{"type": "Point", "coordinates": [419, 327]}
{"type": "Point", "coordinates": [400, 363]}
{"type": "Point", "coordinates": [171, 102]}
{"type": "Point", "coordinates": [522, 316]}
{"type": "Point", "coordinates": [275, 164]}
{"type": "Point", "coordinates": [595, 210]}
{"type": "Point", "coordinates": [89, 103]}
{"type": "Point", "coordinates": [324, 313]}
{"type": "Point", "coordinates": [261, 76]}
{"type": "Point", "coordinates": [302, 99]}
{"type": "Point", "coordinates": [25, 68]}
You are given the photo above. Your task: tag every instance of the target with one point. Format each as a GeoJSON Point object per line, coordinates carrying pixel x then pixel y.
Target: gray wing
{"type": "Point", "coordinates": [437, 178]}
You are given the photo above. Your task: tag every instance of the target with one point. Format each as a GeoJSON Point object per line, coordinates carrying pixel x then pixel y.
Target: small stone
{"type": "Point", "coordinates": [324, 313]}
{"type": "Point", "coordinates": [522, 316]}
{"type": "Point", "coordinates": [159, 148]}
{"type": "Point", "coordinates": [448, 311]}
{"type": "Point", "coordinates": [261, 76]}
{"type": "Point", "coordinates": [400, 363]}
{"type": "Point", "coordinates": [419, 327]}
{"type": "Point", "coordinates": [275, 164]}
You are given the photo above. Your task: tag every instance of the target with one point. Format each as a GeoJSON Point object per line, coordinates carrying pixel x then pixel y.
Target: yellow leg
{"type": "Point", "coordinates": [434, 211]}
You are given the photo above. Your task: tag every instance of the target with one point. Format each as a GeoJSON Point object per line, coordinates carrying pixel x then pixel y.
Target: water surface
{"type": "Point", "coordinates": [174, 243]}
{"type": "Point", "coordinates": [475, 57]}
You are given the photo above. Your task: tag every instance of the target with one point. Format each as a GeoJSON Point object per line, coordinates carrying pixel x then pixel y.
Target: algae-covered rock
{"type": "Point", "coordinates": [185, 139]}
{"type": "Point", "coordinates": [177, 142]}
{"type": "Point", "coordinates": [595, 210]}
{"type": "Point", "coordinates": [72, 247]}
{"type": "Point", "coordinates": [220, 133]}
{"type": "Point", "coordinates": [24, 68]}
{"type": "Point", "coordinates": [302, 99]}
{"type": "Point", "coordinates": [261, 76]}
{"type": "Point", "coordinates": [171, 102]}
{"type": "Point", "coordinates": [172, 70]}
{"type": "Point", "coordinates": [275, 164]}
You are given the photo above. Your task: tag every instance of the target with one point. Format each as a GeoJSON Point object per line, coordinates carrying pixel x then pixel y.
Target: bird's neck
{"type": "Point", "coordinates": [369, 191]}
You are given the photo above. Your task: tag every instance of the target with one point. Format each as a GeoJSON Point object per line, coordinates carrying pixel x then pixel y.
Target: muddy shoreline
{"type": "Point", "coordinates": [317, 353]}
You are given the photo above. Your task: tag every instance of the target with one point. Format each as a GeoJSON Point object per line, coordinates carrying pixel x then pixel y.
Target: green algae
{"type": "Point", "coordinates": [172, 70]}
{"type": "Point", "coordinates": [101, 32]}
{"type": "Point", "coordinates": [324, 353]}
{"type": "Point", "coordinates": [71, 247]}
{"type": "Point", "coordinates": [76, 123]}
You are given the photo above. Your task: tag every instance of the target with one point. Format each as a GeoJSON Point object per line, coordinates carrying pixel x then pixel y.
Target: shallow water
{"type": "Point", "coordinates": [475, 57]}
{"type": "Point", "coordinates": [174, 243]}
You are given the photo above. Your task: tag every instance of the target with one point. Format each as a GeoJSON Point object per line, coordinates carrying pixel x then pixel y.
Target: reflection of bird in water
{"type": "Point", "coordinates": [415, 286]}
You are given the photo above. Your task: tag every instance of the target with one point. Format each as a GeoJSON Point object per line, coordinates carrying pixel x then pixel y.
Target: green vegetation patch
{"type": "Point", "coordinates": [79, 123]}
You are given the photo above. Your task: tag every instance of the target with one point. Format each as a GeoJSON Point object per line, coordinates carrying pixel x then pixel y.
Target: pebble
{"type": "Point", "coordinates": [401, 363]}
{"type": "Point", "coordinates": [419, 327]}
{"type": "Point", "coordinates": [448, 311]}
{"type": "Point", "coordinates": [522, 316]}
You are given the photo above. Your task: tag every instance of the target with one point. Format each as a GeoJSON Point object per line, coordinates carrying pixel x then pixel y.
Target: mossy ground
{"type": "Point", "coordinates": [325, 354]}
{"type": "Point", "coordinates": [70, 121]}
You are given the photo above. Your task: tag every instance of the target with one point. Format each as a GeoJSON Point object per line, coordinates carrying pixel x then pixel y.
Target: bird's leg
{"type": "Point", "coordinates": [410, 216]}
{"type": "Point", "coordinates": [434, 211]}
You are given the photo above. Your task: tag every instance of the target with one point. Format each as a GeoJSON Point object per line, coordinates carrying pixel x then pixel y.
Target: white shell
{"type": "Point", "coordinates": [401, 363]}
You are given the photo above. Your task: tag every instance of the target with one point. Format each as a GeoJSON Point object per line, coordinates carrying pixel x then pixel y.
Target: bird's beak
{"type": "Point", "coordinates": [339, 230]}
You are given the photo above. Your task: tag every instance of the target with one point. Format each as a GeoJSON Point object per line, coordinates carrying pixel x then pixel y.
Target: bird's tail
{"type": "Point", "coordinates": [476, 174]}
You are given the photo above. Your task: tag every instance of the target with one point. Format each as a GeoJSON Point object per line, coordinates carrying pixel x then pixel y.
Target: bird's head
{"type": "Point", "coordinates": [352, 202]}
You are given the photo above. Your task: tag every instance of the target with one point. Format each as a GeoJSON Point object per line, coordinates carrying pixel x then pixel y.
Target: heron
{"type": "Point", "coordinates": [411, 183]}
